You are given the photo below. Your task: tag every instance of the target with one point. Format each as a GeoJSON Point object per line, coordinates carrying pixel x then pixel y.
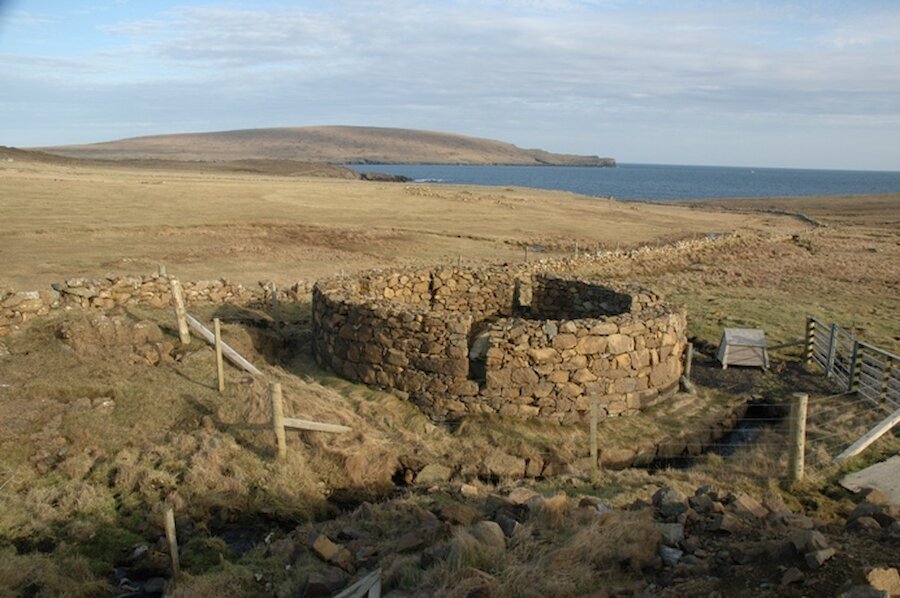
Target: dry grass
{"type": "Point", "coordinates": [91, 483]}
{"type": "Point", "coordinates": [61, 221]}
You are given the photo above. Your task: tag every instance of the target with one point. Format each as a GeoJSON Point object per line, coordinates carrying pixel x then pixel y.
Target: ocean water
{"type": "Point", "coordinates": [657, 182]}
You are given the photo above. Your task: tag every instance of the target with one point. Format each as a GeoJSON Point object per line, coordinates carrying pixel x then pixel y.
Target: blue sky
{"type": "Point", "coordinates": [793, 84]}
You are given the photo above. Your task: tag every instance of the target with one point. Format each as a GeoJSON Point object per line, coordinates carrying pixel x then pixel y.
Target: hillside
{"type": "Point", "coordinates": [334, 145]}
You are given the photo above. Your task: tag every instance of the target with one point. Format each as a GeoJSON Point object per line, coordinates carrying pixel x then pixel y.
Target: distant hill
{"type": "Point", "coordinates": [333, 145]}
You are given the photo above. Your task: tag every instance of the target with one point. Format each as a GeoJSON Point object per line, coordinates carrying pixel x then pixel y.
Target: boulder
{"type": "Point", "coordinates": [458, 513]}
{"type": "Point", "coordinates": [489, 533]}
{"type": "Point", "coordinates": [886, 580]}
{"type": "Point", "coordinates": [434, 473]}
{"type": "Point", "coordinates": [503, 465]}
{"type": "Point", "coordinates": [669, 502]}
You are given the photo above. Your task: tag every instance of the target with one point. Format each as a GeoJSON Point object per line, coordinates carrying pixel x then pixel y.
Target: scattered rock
{"type": "Point", "coordinates": [792, 575]}
{"type": "Point", "coordinates": [489, 533]}
{"type": "Point", "coordinates": [670, 556]}
{"type": "Point", "coordinates": [817, 558]}
{"type": "Point", "coordinates": [725, 522]}
{"type": "Point", "coordinates": [331, 552]}
{"type": "Point", "coordinates": [886, 580]}
{"type": "Point", "coordinates": [434, 473]}
{"type": "Point", "coordinates": [508, 524]}
{"type": "Point", "coordinates": [520, 496]}
{"type": "Point", "coordinates": [670, 503]}
{"type": "Point", "coordinates": [747, 506]}
{"type": "Point", "coordinates": [864, 523]}
{"type": "Point", "coordinates": [808, 541]}
{"type": "Point", "coordinates": [503, 465]}
{"type": "Point", "coordinates": [458, 514]}
{"type": "Point", "coordinates": [672, 533]}
{"type": "Point", "coordinates": [468, 490]}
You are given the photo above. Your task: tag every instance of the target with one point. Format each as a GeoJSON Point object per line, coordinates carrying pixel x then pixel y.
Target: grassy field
{"type": "Point", "coordinates": [62, 221]}
{"type": "Point", "coordinates": [94, 441]}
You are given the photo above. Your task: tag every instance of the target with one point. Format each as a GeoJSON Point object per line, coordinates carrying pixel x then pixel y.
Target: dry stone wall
{"type": "Point", "coordinates": [516, 341]}
{"type": "Point", "coordinates": [154, 290]}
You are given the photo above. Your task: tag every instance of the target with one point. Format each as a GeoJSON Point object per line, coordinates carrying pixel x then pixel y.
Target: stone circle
{"type": "Point", "coordinates": [514, 340]}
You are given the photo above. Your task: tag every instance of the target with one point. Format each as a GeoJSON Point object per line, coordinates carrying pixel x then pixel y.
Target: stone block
{"type": "Point", "coordinates": [564, 341]}
{"type": "Point", "coordinates": [619, 343]}
{"type": "Point", "coordinates": [591, 345]}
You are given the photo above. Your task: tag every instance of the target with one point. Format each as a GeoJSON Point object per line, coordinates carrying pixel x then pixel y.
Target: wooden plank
{"type": "Point", "coordinates": [232, 355]}
{"type": "Point", "coordinates": [874, 434]}
{"type": "Point", "coordinates": [305, 424]}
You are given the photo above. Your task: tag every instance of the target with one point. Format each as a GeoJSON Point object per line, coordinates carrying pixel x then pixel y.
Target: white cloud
{"type": "Point", "coordinates": [516, 70]}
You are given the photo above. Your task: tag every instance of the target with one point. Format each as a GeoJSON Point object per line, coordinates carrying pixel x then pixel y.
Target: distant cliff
{"type": "Point", "coordinates": [334, 145]}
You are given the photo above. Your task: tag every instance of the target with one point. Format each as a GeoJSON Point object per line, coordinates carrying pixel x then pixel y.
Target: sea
{"type": "Point", "coordinates": [657, 182]}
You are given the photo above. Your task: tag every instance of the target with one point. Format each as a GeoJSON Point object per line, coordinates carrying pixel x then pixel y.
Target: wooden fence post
{"type": "Point", "coordinates": [220, 365]}
{"type": "Point", "coordinates": [526, 254]}
{"type": "Point", "coordinates": [278, 419]}
{"type": "Point", "coordinates": [184, 332]}
{"type": "Point", "coordinates": [172, 540]}
{"type": "Point", "coordinates": [797, 440]}
{"type": "Point", "coordinates": [576, 250]}
{"type": "Point", "coordinates": [594, 464]}
{"type": "Point", "coordinates": [161, 270]}
{"type": "Point", "coordinates": [810, 340]}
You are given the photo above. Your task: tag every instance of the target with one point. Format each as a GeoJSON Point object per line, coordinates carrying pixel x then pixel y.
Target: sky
{"type": "Point", "coordinates": [805, 84]}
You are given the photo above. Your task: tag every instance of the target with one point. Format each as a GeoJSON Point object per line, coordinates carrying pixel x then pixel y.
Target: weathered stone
{"type": "Point", "coordinates": [619, 343]}
{"type": "Point", "coordinates": [670, 502]}
{"type": "Point", "coordinates": [817, 558]}
{"type": "Point", "coordinates": [458, 513]}
{"type": "Point", "coordinates": [725, 522]}
{"type": "Point", "coordinates": [508, 524]}
{"type": "Point", "coordinates": [591, 345]}
{"type": "Point", "coordinates": [672, 533]}
{"type": "Point", "coordinates": [543, 354]}
{"type": "Point", "coordinates": [808, 541]}
{"type": "Point", "coordinates": [489, 533]}
{"type": "Point", "coordinates": [617, 458]}
{"type": "Point", "coordinates": [520, 496]}
{"type": "Point", "coordinates": [503, 465]}
{"type": "Point", "coordinates": [564, 341]}
{"type": "Point", "coordinates": [669, 555]}
{"type": "Point", "coordinates": [434, 473]}
{"type": "Point", "coordinates": [604, 329]}
{"type": "Point", "coordinates": [886, 580]}
{"type": "Point", "coordinates": [746, 505]}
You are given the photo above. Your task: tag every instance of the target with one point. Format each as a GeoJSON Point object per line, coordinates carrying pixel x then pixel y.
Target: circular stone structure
{"type": "Point", "coordinates": [514, 340]}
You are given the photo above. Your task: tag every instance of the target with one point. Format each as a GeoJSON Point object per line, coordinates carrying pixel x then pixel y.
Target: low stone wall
{"type": "Point", "coordinates": [515, 341]}
{"type": "Point", "coordinates": [154, 290]}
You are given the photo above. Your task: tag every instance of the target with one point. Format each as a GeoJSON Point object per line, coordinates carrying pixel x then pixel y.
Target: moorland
{"type": "Point", "coordinates": [94, 442]}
